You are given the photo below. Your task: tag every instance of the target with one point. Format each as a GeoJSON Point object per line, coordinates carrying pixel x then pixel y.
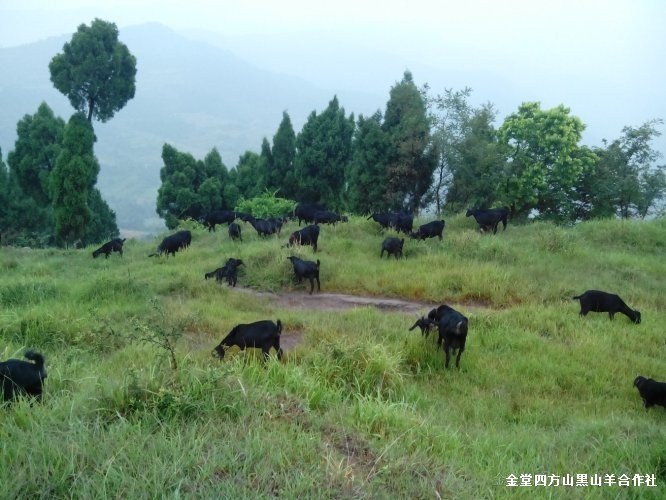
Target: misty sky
{"type": "Point", "coordinates": [603, 59]}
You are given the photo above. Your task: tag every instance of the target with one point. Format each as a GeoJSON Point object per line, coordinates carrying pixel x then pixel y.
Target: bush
{"type": "Point", "coordinates": [267, 205]}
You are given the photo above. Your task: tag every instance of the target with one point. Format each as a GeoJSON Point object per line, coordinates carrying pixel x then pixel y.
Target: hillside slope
{"type": "Point", "coordinates": [360, 406]}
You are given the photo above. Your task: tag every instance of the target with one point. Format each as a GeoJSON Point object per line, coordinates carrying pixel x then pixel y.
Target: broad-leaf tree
{"type": "Point", "coordinates": [638, 182]}
{"type": "Point", "coordinates": [544, 161]}
{"type": "Point", "coordinates": [412, 154]}
{"type": "Point", "coordinates": [95, 71]}
{"type": "Point", "coordinates": [470, 164]}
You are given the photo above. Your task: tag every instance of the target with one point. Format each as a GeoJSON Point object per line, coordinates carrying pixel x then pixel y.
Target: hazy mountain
{"type": "Point", "coordinates": [190, 94]}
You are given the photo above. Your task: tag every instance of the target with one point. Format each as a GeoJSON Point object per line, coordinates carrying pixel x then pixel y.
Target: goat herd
{"type": "Point", "coordinates": [24, 377]}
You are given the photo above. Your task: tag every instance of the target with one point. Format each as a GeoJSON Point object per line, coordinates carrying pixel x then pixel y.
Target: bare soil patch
{"type": "Point", "coordinates": [341, 301]}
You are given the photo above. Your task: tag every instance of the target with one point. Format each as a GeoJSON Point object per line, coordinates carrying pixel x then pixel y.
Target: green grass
{"type": "Point", "coordinates": [360, 407]}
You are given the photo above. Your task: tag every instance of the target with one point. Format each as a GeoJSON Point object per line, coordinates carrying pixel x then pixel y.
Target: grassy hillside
{"type": "Point", "coordinates": [359, 407]}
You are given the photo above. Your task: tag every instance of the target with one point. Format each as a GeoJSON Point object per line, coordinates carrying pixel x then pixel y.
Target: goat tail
{"type": "Point", "coordinates": [576, 297]}
{"type": "Point", "coordinates": [317, 263]}
{"type": "Point", "coordinates": [36, 357]}
{"type": "Point", "coordinates": [279, 327]}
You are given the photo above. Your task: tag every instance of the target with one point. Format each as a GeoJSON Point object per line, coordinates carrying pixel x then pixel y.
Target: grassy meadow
{"type": "Point", "coordinates": [360, 407]}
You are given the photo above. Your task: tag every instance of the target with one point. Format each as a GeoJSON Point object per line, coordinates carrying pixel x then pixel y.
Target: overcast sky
{"type": "Point", "coordinates": [605, 59]}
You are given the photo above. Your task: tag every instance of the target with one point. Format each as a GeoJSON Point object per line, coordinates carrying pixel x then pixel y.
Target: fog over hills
{"type": "Point", "coordinates": [197, 90]}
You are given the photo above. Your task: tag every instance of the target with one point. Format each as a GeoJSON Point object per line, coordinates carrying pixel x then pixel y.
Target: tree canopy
{"type": "Point", "coordinates": [412, 155]}
{"type": "Point", "coordinates": [440, 154]}
{"type": "Point", "coordinates": [190, 188]}
{"type": "Point", "coordinates": [544, 160]}
{"type": "Point", "coordinates": [72, 180]}
{"type": "Point", "coordinates": [368, 170]}
{"type": "Point", "coordinates": [37, 145]}
{"type": "Point", "coordinates": [323, 152]}
{"type": "Point", "coordinates": [95, 71]}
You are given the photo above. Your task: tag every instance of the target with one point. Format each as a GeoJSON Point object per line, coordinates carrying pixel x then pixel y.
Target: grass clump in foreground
{"type": "Point", "coordinates": [360, 407]}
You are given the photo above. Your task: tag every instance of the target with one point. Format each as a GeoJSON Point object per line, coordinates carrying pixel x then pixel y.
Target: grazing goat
{"type": "Point", "coordinates": [211, 219]}
{"type": "Point", "coordinates": [598, 301]}
{"type": "Point", "coordinates": [115, 245]}
{"type": "Point", "coordinates": [235, 232]}
{"type": "Point", "coordinates": [309, 235]}
{"type": "Point", "coordinates": [171, 244]}
{"type": "Point", "coordinates": [265, 227]}
{"type": "Point", "coordinates": [277, 223]}
{"type": "Point", "coordinates": [229, 272]}
{"type": "Point", "coordinates": [306, 212]}
{"type": "Point", "coordinates": [403, 223]}
{"type": "Point", "coordinates": [425, 324]}
{"type": "Point", "coordinates": [385, 219]}
{"type": "Point", "coordinates": [244, 216]}
{"type": "Point", "coordinates": [22, 377]}
{"type": "Point", "coordinates": [260, 334]}
{"type": "Point", "coordinates": [392, 246]}
{"type": "Point", "coordinates": [490, 218]}
{"type": "Point", "coordinates": [651, 391]}
{"type": "Point", "coordinates": [306, 269]}
{"type": "Point", "coordinates": [452, 327]}
{"type": "Point", "coordinates": [327, 217]}
{"type": "Point", "coordinates": [429, 230]}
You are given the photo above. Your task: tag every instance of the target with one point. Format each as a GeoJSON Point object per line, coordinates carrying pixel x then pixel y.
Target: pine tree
{"type": "Point", "coordinates": [368, 171]}
{"type": "Point", "coordinates": [72, 180]}
{"type": "Point", "coordinates": [324, 151]}
{"type": "Point", "coordinates": [412, 157]}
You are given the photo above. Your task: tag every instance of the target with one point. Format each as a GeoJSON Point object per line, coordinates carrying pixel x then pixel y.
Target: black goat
{"type": "Point", "coordinates": [598, 301]}
{"type": "Point", "coordinates": [452, 327]}
{"type": "Point", "coordinates": [306, 269]}
{"type": "Point", "coordinates": [115, 245]}
{"type": "Point", "coordinates": [244, 216]}
{"type": "Point", "coordinates": [260, 334]}
{"type": "Point", "coordinates": [229, 272]}
{"type": "Point", "coordinates": [235, 231]}
{"type": "Point", "coordinates": [425, 325]}
{"type": "Point", "coordinates": [171, 244]}
{"type": "Point", "coordinates": [490, 218]}
{"type": "Point", "coordinates": [309, 235]}
{"type": "Point", "coordinates": [211, 219]}
{"type": "Point", "coordinates": [651, 391]}
{"type": "Point", "coordinates": [265, 227]}
{"type": "Point", "coordinates": [403, 223]}
{"type": "Point", "coordinates": [385, 219]}
{"type": "Point", "coordinates": [277, 223]}
{"type": "Point", "coordinates": [392, 246]}
{"type": "Point", "coordinates": [22, 377]}
{"type": "Point", "coordinates": [429, 230]}
{"type": "Point", "coordinates": [306, 212]}
{"type": "Point", "coordinates": [328, 217]}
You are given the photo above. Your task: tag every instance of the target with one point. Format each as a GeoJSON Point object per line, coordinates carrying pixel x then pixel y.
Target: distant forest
{"type": "Point", "coordinates": [436, 153]}
{"type": "Point", "coordinates": [423, 152]}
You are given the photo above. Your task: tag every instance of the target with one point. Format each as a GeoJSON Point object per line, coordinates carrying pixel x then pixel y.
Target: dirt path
{"type": "Point", "coordinates": [341, 301]}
